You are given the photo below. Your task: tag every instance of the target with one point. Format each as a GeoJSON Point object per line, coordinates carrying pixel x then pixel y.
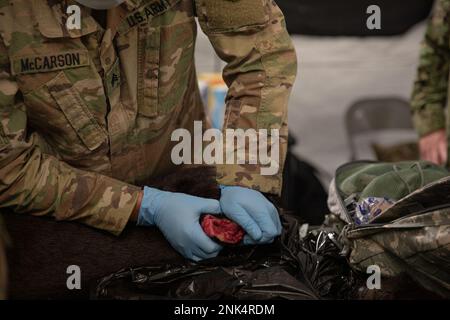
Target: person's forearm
{"type": "Point", "coordinates": [260, 73]}
{"type": "Point", "coordinates": [40, 184]}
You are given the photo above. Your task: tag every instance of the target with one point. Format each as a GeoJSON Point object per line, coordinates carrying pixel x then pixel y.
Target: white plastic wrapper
{"type": "Point", "coordinates": [371, 207]}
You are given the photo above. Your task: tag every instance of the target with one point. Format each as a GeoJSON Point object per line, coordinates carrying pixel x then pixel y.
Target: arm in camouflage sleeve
{"type": "Point", "coordinates": [251, 36]}
{"type": "Point", "coordinates": [34, 182]}
{"type": "Point", "coordinates": [431, 85]}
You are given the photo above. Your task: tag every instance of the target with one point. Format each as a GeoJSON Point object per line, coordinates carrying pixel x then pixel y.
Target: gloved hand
{"type": "Point", "coordinates": [177, 215]}
{"type": "Point", "coordinates": [253, 212]}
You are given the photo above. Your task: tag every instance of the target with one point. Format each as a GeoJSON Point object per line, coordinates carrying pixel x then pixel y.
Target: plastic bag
{"type": "Point", "coordinates": [291, 268]}
{"type": "Point", "coordinates": [370, 208]}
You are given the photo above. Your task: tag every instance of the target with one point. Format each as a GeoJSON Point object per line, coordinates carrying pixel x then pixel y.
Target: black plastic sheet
{"type": "Point", "coordinates": [291, 268]}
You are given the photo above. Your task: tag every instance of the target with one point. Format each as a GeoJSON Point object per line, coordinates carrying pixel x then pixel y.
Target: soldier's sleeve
{"type": "Point", "coordinates": [251, 37]}
{"type": "Point", "coordinates": [37, 183]}
{"type": "Point", "coordinates": [431, 86]}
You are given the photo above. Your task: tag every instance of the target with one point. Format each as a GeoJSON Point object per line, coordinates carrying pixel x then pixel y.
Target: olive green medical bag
{"type": "Point", "coordinates": [410, 236]}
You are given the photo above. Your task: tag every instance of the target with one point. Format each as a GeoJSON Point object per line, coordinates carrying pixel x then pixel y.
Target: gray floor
{"type": "Point", "coordinates": [333, 73]}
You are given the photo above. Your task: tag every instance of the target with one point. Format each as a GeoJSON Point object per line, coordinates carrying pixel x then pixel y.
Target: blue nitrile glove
{"type": "Point", "coordinates": [253, 212]}
{"type": "Point", "coordinates": [177, 215]}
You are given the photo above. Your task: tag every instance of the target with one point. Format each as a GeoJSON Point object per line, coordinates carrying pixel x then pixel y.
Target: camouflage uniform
{"type": "Point", "coordinates": [431, 89]}
{"type": "Point", "coordinates": [87, 115]}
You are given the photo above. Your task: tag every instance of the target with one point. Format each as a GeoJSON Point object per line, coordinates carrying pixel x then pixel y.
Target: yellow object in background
{"type": "Point", "coordinates": [213, 91]}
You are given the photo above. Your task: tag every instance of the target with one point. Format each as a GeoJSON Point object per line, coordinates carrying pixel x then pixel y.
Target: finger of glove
{"type": "Point", "coordinates": [210, 206]}
{"type": "Point", "coordinates": [203, 255]}
{"type": "Point", "coordinates": [261, 212]}
{"type": "Point", "coordinates": [275, 216]}
{"type": "Point", "coordinates": [277, 219]}
{"type": "Point", "coordinates": [195, 258]}
{"type": "Point", "coordinates": [264, 218]}
{"type": "Point", "coordinates": [203, 242]}
{"type": "Point", "coordinates": [239, 215]}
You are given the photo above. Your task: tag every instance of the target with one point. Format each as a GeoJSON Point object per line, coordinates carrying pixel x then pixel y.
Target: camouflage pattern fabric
{"type": "Point", "coordinates": [431, 88]}
{"type": "Point", "coordinates": [87, 115]}
{"type": "Point", "coordinates": [418, 244]}
{"type": "Point", "coordinates": [412, 236]}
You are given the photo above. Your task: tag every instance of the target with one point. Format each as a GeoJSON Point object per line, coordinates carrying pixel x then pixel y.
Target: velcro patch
{"type": "Point", "coordinates": [234, 14]}
{"type": "Point", "coordinates": [146, 13]}
{"type": "Point", "coordinates": [49, 62]}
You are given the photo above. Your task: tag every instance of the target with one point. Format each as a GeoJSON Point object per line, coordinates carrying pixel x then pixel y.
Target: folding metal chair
{"type": "Point", "coordinates": [374, 115]}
